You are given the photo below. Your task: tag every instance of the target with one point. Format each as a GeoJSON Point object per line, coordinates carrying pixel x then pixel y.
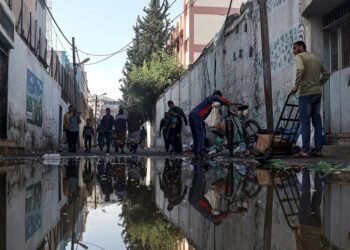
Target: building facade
{"type": "Point", "coordinates": [197, 26]}
{"type": "Point", "coordinates": [36, 86]}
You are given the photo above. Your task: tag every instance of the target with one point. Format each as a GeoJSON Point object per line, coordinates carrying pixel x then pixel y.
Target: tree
{"type": "Point", "coordinates": [151, 35]}
{"type": "Point", "coordinates": [148, 82]}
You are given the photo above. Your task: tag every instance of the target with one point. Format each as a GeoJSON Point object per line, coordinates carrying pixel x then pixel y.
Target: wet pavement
{"type": "Point", "coordinates": [133, 202]}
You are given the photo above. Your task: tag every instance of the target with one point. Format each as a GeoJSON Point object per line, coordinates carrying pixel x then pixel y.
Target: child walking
{"type": "Point", "coordinates": [88, 133]}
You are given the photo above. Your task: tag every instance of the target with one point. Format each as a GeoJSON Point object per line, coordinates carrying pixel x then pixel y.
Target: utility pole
{"type": "Point", "coordinates": [95, 124]}
{"type": "Point", "coordinates": [265, 44]}
{"type": "Point", "coordinates": [74, 73]}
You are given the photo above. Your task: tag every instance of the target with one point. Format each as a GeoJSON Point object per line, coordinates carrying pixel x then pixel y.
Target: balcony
{"type": "Point", "coordinates": [319, 8]}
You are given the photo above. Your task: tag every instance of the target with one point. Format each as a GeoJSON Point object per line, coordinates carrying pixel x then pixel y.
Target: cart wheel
{"type": "Point", "coordinates": [268, 153]}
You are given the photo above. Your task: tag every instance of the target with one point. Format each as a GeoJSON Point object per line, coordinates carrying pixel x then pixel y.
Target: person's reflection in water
{"type": "Point", "coordinates": [309, 235]}
{"type": "Point", "coordinates": [72, 174]}
{"type": "Point", "coordinates": [104, 176]}
{"type": "Point", "coordinates": [171, 183]}
{"type": "Point", "coordinates": [88, 176]}
{"type": "Point", "coordinates": [119, 176]}
{"type": "Point", "coordinates": [199, 197]}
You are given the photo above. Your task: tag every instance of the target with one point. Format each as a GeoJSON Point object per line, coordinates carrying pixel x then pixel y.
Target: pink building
{"type": "Point", "coordinates": [197, 26]}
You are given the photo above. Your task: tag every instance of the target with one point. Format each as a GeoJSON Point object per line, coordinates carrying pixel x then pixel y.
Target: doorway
{"type": "Point", "coordinates": [3, 94]}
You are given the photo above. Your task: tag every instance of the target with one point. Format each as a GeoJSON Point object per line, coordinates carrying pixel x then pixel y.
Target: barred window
{"type": "Point", "coordinates": [9, 3]}
{"type": "Point", "coordinates": [334, 50]}
{"type": "Point", "coordinates": [345, 34]}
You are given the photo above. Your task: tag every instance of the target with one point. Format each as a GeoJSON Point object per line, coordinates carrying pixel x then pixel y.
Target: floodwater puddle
{"type": "Point", "coordinates": [171, 203]}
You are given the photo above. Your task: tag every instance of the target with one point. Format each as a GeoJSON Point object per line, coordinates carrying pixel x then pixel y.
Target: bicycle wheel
{"type": "Point", "coordinates": [230, 135]}
{"type": "Point", "coordinates": [252, 129]}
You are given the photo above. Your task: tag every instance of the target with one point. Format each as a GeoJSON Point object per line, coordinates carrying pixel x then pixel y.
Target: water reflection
{"type": "Point", "coordinates": [157, 203]}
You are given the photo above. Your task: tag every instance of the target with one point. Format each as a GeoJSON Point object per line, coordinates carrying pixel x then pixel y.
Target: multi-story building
{"type": "Point", "coordinates": [197, 26]}
{"type": "Point", "coordinates": [103, 102]}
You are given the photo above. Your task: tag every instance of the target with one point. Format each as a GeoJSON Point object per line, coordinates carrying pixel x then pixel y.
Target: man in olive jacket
{"type": "Point", "coordinates": [311, 75]}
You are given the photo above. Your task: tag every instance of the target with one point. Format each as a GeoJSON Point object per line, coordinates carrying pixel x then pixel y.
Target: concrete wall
{"type": "Point", "coordinates": [18, 180]}
{"type": "Point", "coordinates": [19, 130]}
{"type": "Point", "coordinates": [234, 64]}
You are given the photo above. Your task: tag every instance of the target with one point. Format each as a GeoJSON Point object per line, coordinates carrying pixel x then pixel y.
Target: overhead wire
{"type": "Point", "coordinates": [110, 55]}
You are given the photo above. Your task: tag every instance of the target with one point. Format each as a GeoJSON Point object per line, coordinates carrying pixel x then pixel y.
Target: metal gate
{"type": "Point", "coordinates": [338, 91]}
{"type": "Point", "coordinates": [3, 94]}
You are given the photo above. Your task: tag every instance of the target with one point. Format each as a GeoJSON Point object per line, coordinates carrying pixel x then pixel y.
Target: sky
{"type": "Point", "coordinates": [101, 27]}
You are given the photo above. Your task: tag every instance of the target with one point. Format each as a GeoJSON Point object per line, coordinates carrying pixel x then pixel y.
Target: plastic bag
{"type": "Point", "coordinates": [214, 118]}
{"type": "Point", "coordinates": [299, 142]}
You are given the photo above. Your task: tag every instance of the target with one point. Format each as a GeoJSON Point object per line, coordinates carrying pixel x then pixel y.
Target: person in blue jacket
{"type": "Point", "coordinates": [197, 117]}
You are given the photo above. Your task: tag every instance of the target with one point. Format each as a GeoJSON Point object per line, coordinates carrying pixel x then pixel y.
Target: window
{"type": "Point", "coordinates": [345, 38]}
{"type": "Point", "coordinates": [340, 47]}
{"type": "Point", "coordinates": [334, 50]}
{"type": "Point", "coordinates": [245, 27]}
{"type": "Point", "coordinates": [251, 51]}
{"type": "Point", "coordinates": [240, 53]}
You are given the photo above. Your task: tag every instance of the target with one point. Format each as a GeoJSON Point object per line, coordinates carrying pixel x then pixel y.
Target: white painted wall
{"type": "Point", "coordinates": [19, 130]}
{"type": "Point", "coordinates": [18, 180]}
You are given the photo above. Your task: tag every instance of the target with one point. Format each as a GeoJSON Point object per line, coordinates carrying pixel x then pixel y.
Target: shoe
{"type": "Point", "coordinates": [316, 154]}
{"type": "Point", "coordinates": [86, 150]}
{"type": "Point", "coordinates": [107, 151]}
{"type": "Point", "coordinates": [301, 155]}
{"type": "Point", "coordinates": [122, 152]}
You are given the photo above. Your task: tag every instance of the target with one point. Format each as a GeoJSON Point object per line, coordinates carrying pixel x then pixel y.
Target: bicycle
{"type": "Point", "coordinates": [237, 122]}
{"type": "Point", "coordinates": [241, 185]}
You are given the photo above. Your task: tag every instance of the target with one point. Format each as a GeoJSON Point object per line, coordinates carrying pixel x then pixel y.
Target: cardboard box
{"type": "Point", "coordinates": [263, 143]}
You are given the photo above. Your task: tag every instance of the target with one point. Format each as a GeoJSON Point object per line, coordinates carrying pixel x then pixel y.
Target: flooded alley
{"type": "Point", "coordinates": [170, 203]}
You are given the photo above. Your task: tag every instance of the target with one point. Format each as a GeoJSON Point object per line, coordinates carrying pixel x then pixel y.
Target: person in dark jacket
{"type": "Point", "coordinates": [198, 200]}
{"type": "Point", "coordinates": [178, 114]}
{"type": "Point", "coordinates": [171, 183]}
{"type": "Point", "coordinates": [174, 132]}
{"type": "Point", "coordinates": [143, 136]}
{"type": "Point", "coordinates": [88, 133]}
{"type": "Point", "coordinates": [120, 125]}
{"type": "Point", "coordinates": [163, 130]}
{"type": "Point", "coordinates": [197, 117]}
{"type": "Point", "coordinates": [107, 125]}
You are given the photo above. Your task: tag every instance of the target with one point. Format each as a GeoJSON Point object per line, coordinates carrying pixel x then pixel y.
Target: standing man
{"type": "Point", "coordinates": [120, 126]}
{"type": "Point", "coordinates": [135, 120]}
{"type": "Point", "coordinates": [143, 135]}
{"type": "Point", "coordinates": [107, 123]}
{"type": "Point", "coordinates": [180, 113]}
{"type": "Point", "coordinates": [163, 129]}
{"type": "Point", "coordinates": [197, 117]}
{"type": "Point", "coordinates": [66, 125]}
{"type": "Point", "coordinates": [311, 75]}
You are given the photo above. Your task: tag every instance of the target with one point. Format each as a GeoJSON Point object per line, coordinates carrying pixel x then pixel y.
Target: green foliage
{"type": "Point", "coordinates": [144, 227]}
{"type": "Point", "coordinates": [149, 81]}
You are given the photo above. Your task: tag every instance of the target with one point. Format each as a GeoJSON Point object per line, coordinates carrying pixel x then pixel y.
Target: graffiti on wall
{"type": "Point", "coordinates": [33, 209]}
{"type": "Point", "coordinates": [272, 5]}
{"type": "Point", "coordinates": [34, 99]}
{"type": "Point", "coordinates": [281, 51]}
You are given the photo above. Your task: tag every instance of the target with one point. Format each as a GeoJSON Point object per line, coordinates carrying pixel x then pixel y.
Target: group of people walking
{"type": "Point", "coordinates": [121, 130]}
